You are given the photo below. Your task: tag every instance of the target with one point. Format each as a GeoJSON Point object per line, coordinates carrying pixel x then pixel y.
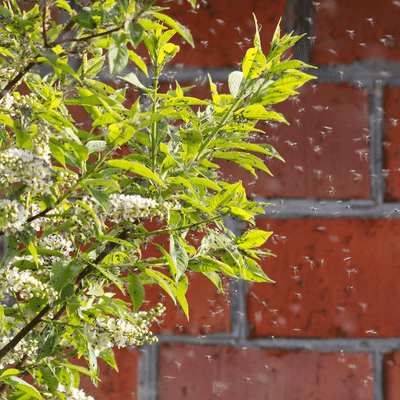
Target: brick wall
{"type": "Point", "coordinates": [328, 328]}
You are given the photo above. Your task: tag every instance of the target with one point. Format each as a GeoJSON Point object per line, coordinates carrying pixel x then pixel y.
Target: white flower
{"type": "Point", "coordinates": [21, 165]}
{"type": "Point", "coordinates": [131, 207]}
{"type": "Point", "coordinates": [12, 216]}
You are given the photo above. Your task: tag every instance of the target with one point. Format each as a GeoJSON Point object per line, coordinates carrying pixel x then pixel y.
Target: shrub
{"type": "Point", "coordinates": [76, 202]}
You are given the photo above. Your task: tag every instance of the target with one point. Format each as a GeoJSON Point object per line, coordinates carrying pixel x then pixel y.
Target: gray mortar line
{"type": "Point", "coordinates": [378, 374]}
{"type": "Point", "coordinates": [148, 372]}
{"type": "Point", "coordinates": [376, 131]}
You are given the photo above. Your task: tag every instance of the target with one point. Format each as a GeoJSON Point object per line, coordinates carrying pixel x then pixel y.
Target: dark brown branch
{"type": "Point", "coordinates": [38, 318]}
{"type": "Point", "coordinates": [85, 38]}
{"type": "Point", "coordinates": [44, 33]}
{"type": "Point", "coordinates": [17, 78]}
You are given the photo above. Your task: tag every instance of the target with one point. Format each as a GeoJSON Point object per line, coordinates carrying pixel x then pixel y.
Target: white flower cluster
{"type": "Point", "coordinates": [131, 207]}
{"type": "Point", "coordinates": [41, 144]}
{"type": "Point", "coordinates": [122, 208]}
{"type": "Point", "coordinates": [7, 101]}
{"type": "Point", "coordinates": [21, 165]}
{"type": "Point", "coordinates": [58, 243]}
{"type": "Point", "coordinates": [25, 284]}
{"type": "Point", "coordinates": [75, 394]}
{"type": "Point", "coordinates": [110, 332]}
{"type": "Point", "coordinates": [12, 216]}
{"type": "Point", "coordinates": [23, 347]}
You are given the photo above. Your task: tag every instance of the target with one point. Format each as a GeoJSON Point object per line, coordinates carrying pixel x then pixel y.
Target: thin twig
{"type": "Point", "coordinates": [44, 33]}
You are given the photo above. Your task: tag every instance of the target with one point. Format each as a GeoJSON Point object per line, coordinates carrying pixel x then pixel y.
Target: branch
{"type": "Point", "coordinates": [85, 38]}
{"type": "Point", "coordinates": [17, 78]}
{"type": "Point", "coordinates": [38, 318]}
{"type": "Point", "coordinates": [44, 24]}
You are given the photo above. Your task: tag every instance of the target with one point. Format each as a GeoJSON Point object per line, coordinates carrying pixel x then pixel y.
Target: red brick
{"type": "Point", "coordinates": [209, 311]}
{"type": "Point", "coordinates": [392, 144]}
{"type": "Point", "coordinates": [374, 41]}
{"type": "Point", "coordinates": [214, 34]}
{"type": "Point", "coordinates": [392, 376]}
{"type": "Point", "coordinates": [232, 373]}
{"type": "Point", "coordinates": [117, 385]}
{"type": "Point", "coordinates": [318, 165]}
{"type": "Point", "coordinates": [335, 278]}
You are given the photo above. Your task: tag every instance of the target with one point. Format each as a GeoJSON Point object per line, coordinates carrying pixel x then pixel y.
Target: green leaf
{"type": "Point", "coordinates": [215, 279]}
{"type": "Point", "coordinates": [57, 153]}
{"type": "Point", "coordinates": [242, 214]}
{"type": "Point", "coordinates": [103, 182]}
{"type": "Point", "coordinates": [136, 168]}
{"type": "Point", "coordinates": [32, 249]}
{"type": "Point", "coordinates": [92, 100]}
{"type": "Point", "coordinates": [109, 358]}
{"type": "Point", "coordinates": [96, 146]}
{"type": "Point", "coordinates": [118, 56]}
{"type": "Point", "coordinates": [179, 255]}
{"type": "Point", "coordinates": [235, 82]}
{"type": "Point", "coordinates": [257, 40]}
{"type": "Point", "coordinates": [246, 160]}
{"type": "Point", "coordinates": [165, 282]}
{"type": "Point", "coordinates": [179, 292]}
{"type": "Point", "coordinates": [6, 120]}
{"type": "Point", "coordinates": [166, 53]}
{"type": "Point", "coordinates": [2, 324]}
{"type": "Point", "coordinates": [110, 276]}
{"type": "Point", "coordinates": [20, 384]}
{"type": "Point", "coordinates": [254, 63]}
{"type": "Point", "coordinates": [205, 183]}
{"type": "Point", "coordinates": [81, 152]}
{"type": "Point", "coordinates": [252, 239]}
{"type": "Point", "coordinates": [48, 341]}
{"type": "Point", "coordinates": [293, 79]}
{"type": "Point", "coordinates": [182, 30]}
{"type": "Point", "coordinates": [10, 372]}
{"type": "Point", "coordinates": [209, 264]}
{"type": "Point", "coordinates": [136, 290]}
{"type": "Point", "coordinates": [136, 33]}
{"type": "Point", "coordinates": [186, 101]}
{"type": "Point", "coordinates": [66, 293]}
{"type": "Point", "coordinates": [5, 12]}
{"type": "Point", "coordinates": [62, 273]}
{"type": "Point", "coordinates": [85, 20]}
{"type": "Point", "coordinates": [56, 228]}
{"type": "Point", "coordinates": [91, 359]}
{"type": "Point", "coordinates": [257, 111]}
{"type": "Point", "coordinates": [173, 268]}
{"type": "Point", "coordinates": [133, 79]}
{"type": "Point", "coordinates": [138, 61]}
{"type": "Point", "coordinates": [191, 142]}
{"type": "Point", "coordinates": [24, 139]}
{"type": "Point", "coordinates": [63, 4]}
{"type": "Point", "coordinates": [99, 195]}
{"type": "Point", "coordinates": [11, 249]}
{"type": "Point", "coordinates": [50, 379]}
{"type": "Point", "coordinates": [224, 196]}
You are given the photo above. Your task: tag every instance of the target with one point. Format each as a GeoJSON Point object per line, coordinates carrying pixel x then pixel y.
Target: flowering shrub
{"type": "Point", "coordinates": [74, 211]}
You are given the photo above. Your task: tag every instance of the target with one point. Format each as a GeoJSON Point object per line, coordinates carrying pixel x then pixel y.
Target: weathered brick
{"type": "Point", "coordinates": [334, 279]}
{"type": "Point", "coordinates": [223, 30]}
{"type": "Point", "coordinates": [325, 154]}
{"type": "Point", "coordinates": [391, 145]}
{"type": "Point", "coordinates": [209, 311]}
{"type": "Point", "coordinates": [351, 30]}
{"type": "Point", "coordinates": [392, 375]}
{"type": "Point", "coordinates": [232, 373]}
{"type": "Point", "coordinates": [117, 385]}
